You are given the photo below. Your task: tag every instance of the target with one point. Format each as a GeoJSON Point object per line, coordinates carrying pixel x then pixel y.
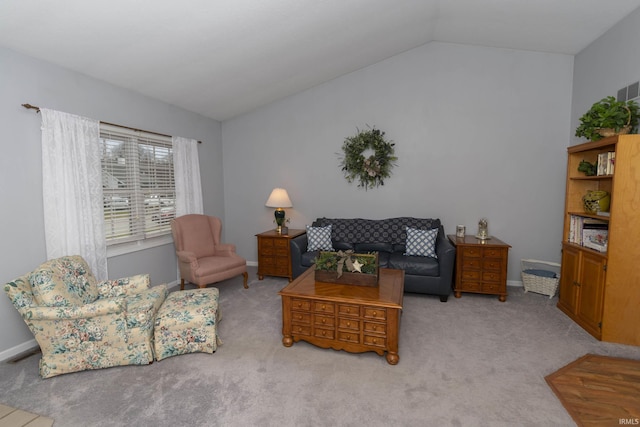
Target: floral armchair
{"type": "Point", "coordinates": [81, 323]}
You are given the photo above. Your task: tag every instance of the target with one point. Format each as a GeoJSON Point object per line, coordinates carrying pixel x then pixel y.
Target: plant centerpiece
{"type": "Point", "coordinates": [368, 158]}
{"type": "Point", "coordinates": [347, 268]}
{"type": "Point", "coordinates": [608, 117]}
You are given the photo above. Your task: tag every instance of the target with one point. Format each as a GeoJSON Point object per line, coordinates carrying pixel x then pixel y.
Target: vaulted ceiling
{"type": "Point", "coordinates": [221, 58]}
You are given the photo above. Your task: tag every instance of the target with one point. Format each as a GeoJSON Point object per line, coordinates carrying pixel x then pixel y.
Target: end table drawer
{"type": "Point", "coordinates": [468, 263]}
{"type": "Point", "coordinates": [492, 252]}
{"type": "Point", "coordinates": [470, 286]}
{"type": "Point", "coordinates": [492, 287]}
{"type": "Point", "coordinates": [491, 277]}
{"type": "Point", "coordinates": [471, 252]}
{"type": "Point", "coordinates": [492, 264]}
{"type": "Point", "coordinates": [470, 275]}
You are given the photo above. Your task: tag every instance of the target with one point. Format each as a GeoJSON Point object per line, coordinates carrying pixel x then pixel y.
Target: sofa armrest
{"type": "Point", "coordinates": [125, 286]}
{"type": "Point", "coordinates": [446, 256]}
{"type": "Point", "coordinates": [101, 307]}
{"type": "Point", "coordinates": [298, 246]}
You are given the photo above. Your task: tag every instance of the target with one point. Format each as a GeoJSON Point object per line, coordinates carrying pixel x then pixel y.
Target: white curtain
{"type": "Point", "coordinates": [186, 169]}
{"type": "Point", "coordinates": [72, 189]}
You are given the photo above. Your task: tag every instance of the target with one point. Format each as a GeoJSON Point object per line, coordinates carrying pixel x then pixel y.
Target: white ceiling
{"type": "Point", "coordinates": [221, 58]}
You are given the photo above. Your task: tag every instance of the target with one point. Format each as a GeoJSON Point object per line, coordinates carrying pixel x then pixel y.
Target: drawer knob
{"type": "Point", "coordinates": [299, 317]}
{"type": "Point", "coordinates": [348, 323]}
{"type": "Point", "coordinates": [375, 313]}
{"type": "Point", "coordinates": [324, 307]}
{"type": "Point", "coordinates": [375, 341]}
{"type": "Point", "coordinates": [324, 320]}
{"type": "Point", "coordinates": [324, 333]}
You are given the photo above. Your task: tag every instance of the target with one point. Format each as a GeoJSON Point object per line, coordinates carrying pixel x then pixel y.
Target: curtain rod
{"type": "Point", "coordinates": [33, 107]}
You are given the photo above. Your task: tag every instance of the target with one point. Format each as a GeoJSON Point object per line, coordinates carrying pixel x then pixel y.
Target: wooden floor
{"type": "Point", "coordinates": [599, 390]}
{"type": "Point", "coordinates": [12, 417]}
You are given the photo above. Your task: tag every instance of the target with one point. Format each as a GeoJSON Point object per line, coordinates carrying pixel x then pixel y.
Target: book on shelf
{"type": "Point", "coordinates": [605, 163]}
{"type": "Point", "coordinates": [595, 238]}
{"type": "Point", "coordinates": [582, 229]}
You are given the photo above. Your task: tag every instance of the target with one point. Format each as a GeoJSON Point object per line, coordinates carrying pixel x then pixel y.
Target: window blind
{"type": "Point", "coordinates": [138, 184]}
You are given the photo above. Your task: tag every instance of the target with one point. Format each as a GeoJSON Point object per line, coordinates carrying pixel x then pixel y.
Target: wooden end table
{"type": "Point", "coordinates": [481, 266]}
{"type": "Point", "coordinates": [274, 253]}
{"type": "Point", "coordinates": [344, 317]}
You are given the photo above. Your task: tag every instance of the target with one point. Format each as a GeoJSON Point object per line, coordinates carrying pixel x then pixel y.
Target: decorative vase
{"type": "Point", "coordinates": [596, 201]}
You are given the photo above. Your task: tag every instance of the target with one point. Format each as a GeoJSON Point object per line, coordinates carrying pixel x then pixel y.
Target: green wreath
{"type": "Point", "coordinates": [369, 171]}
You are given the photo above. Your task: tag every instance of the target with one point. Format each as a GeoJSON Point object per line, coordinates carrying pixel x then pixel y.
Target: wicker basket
{"type": "Point", "coordinates": [533, 279]}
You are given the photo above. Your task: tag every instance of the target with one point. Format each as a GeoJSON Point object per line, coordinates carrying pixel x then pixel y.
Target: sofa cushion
{"type": "Point", "coordinates": [342, 246]}
{"type": "Point", "coordinates": [414, 265]}
{"type": "Point", "coordinates": [372, 247]}
{"type": "Point", "coordinates": [63, 281]}
{"type": "Point", "coordinates": [390, 230]}
{"type": "Point", "coordinates": [421, 242]}
{"type": "Point", "coordinates": [319, 238]}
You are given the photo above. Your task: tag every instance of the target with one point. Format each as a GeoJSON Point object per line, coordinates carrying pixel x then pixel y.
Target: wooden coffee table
{"type": "Point", "coordinates": [344, 317]}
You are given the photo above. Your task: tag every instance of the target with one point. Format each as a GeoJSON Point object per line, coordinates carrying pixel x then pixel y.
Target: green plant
{"type": "Point", "coordinates": [372, 170]}
{"type": "Point", "coordinates": [346, 261]}
{"type": "Point", "coordinates": [589, 169]}
{"type": "Point", "coordinates": [608, 114]}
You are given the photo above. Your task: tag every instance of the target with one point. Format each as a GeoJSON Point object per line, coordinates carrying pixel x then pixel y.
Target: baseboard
{"type": "Point", "coordinates": [516, 283]}
{"type": "Point", "coordinates": [12, 352]}
{"type": "Point", "coordinates": [252, 263]}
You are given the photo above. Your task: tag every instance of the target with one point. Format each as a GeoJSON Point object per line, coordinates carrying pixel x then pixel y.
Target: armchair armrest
{"type": "Point", "coordinates": [225, 249]}
{"type": "Point", "coordinates": [97, 308]}
{"type": "Point", "coordinates": [125, 286]}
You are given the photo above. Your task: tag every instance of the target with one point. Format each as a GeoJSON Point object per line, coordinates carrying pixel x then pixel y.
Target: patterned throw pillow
{"type": "Point", "coordinates": [421, 242]}
{"type": "Point", "coordinates": [319, 238]}
{"type": "Point", "coordinates": [63, 281]}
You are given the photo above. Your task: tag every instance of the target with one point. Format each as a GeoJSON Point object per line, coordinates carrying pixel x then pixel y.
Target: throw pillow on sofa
{"type": "Point", "coordinates": [319, 238]}
{"type": "Point", "coordinates": [421, 242]}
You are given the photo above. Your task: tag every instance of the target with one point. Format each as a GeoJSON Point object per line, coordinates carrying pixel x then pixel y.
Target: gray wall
{"type": "Point", "coordinates": [479, 132]}
{"type": "Point", "coordinates": [24, 79]}
{"type": "Point", "coordinates": [610, 63]}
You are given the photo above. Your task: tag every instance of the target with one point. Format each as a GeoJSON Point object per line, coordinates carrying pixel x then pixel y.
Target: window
{"type": "Point", "coordinates": [138, 184]}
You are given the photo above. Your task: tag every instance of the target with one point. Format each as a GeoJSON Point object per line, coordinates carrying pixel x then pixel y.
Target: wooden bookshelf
{"type": "Point", "coordinates": [601, 290]}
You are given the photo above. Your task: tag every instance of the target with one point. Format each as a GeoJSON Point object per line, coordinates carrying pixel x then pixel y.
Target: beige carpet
{"type": "Point", "coordinates": [599, 390]}
{"type": "Point", "coordinates": [13, 417]}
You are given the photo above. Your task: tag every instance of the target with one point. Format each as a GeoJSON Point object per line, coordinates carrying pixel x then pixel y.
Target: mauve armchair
{"type": "Point", "coordinates": [201, 257]}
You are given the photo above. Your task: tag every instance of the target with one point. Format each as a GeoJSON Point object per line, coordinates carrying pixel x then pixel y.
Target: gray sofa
{"type": "Point", "coordinates": [424, 275]}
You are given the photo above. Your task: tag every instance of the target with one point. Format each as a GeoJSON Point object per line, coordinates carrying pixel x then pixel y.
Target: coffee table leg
{"type": "Point", "coordinates": [392, 358]}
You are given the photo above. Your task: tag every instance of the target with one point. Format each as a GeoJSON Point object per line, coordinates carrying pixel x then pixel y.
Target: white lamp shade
{"type": "Point", "coordinates": [279, 199]}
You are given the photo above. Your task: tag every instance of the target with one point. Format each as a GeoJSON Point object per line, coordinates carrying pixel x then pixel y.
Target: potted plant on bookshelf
{"type": "Point", "coordinates": [608, 117]}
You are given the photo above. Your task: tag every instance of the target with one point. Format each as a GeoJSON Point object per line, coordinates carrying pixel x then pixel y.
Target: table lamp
{"type": "Point", "coordinates": [279, 199]}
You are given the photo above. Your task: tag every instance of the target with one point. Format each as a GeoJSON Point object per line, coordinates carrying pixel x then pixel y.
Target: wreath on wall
{"type": "Point", "coordinates": [370, 170]}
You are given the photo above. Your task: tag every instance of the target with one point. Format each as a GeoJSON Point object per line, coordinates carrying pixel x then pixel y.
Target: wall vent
{"type": "Point", "coordinates": [629, 92]}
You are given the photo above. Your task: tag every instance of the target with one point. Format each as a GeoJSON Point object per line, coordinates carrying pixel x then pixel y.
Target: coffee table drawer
{"type": "Point", "coordinates": [300, 304]}
{"type": "Point", "coordinates": [297, 329]}
{"type": "Point", "coordinates": [375, 341]}
{"type": "Point", "coordinates": [348, 310]}
{"type": "Point", "coordinates": [324, 307]}
{"type": "Point", "coordinates": [324, 321]}
{"type": "Point", "coordinates": [324, 333]}
{"type": "Point", "coordinates": [347, 323]}
{"type": "Point", "coordinates": [378, 328]}
{"type": "Point", "coordinates": [352, 337]}
{"type": "Point", "coordinates": [301, 317]}
{"type": "Point", "coordinates": [375, 313]}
